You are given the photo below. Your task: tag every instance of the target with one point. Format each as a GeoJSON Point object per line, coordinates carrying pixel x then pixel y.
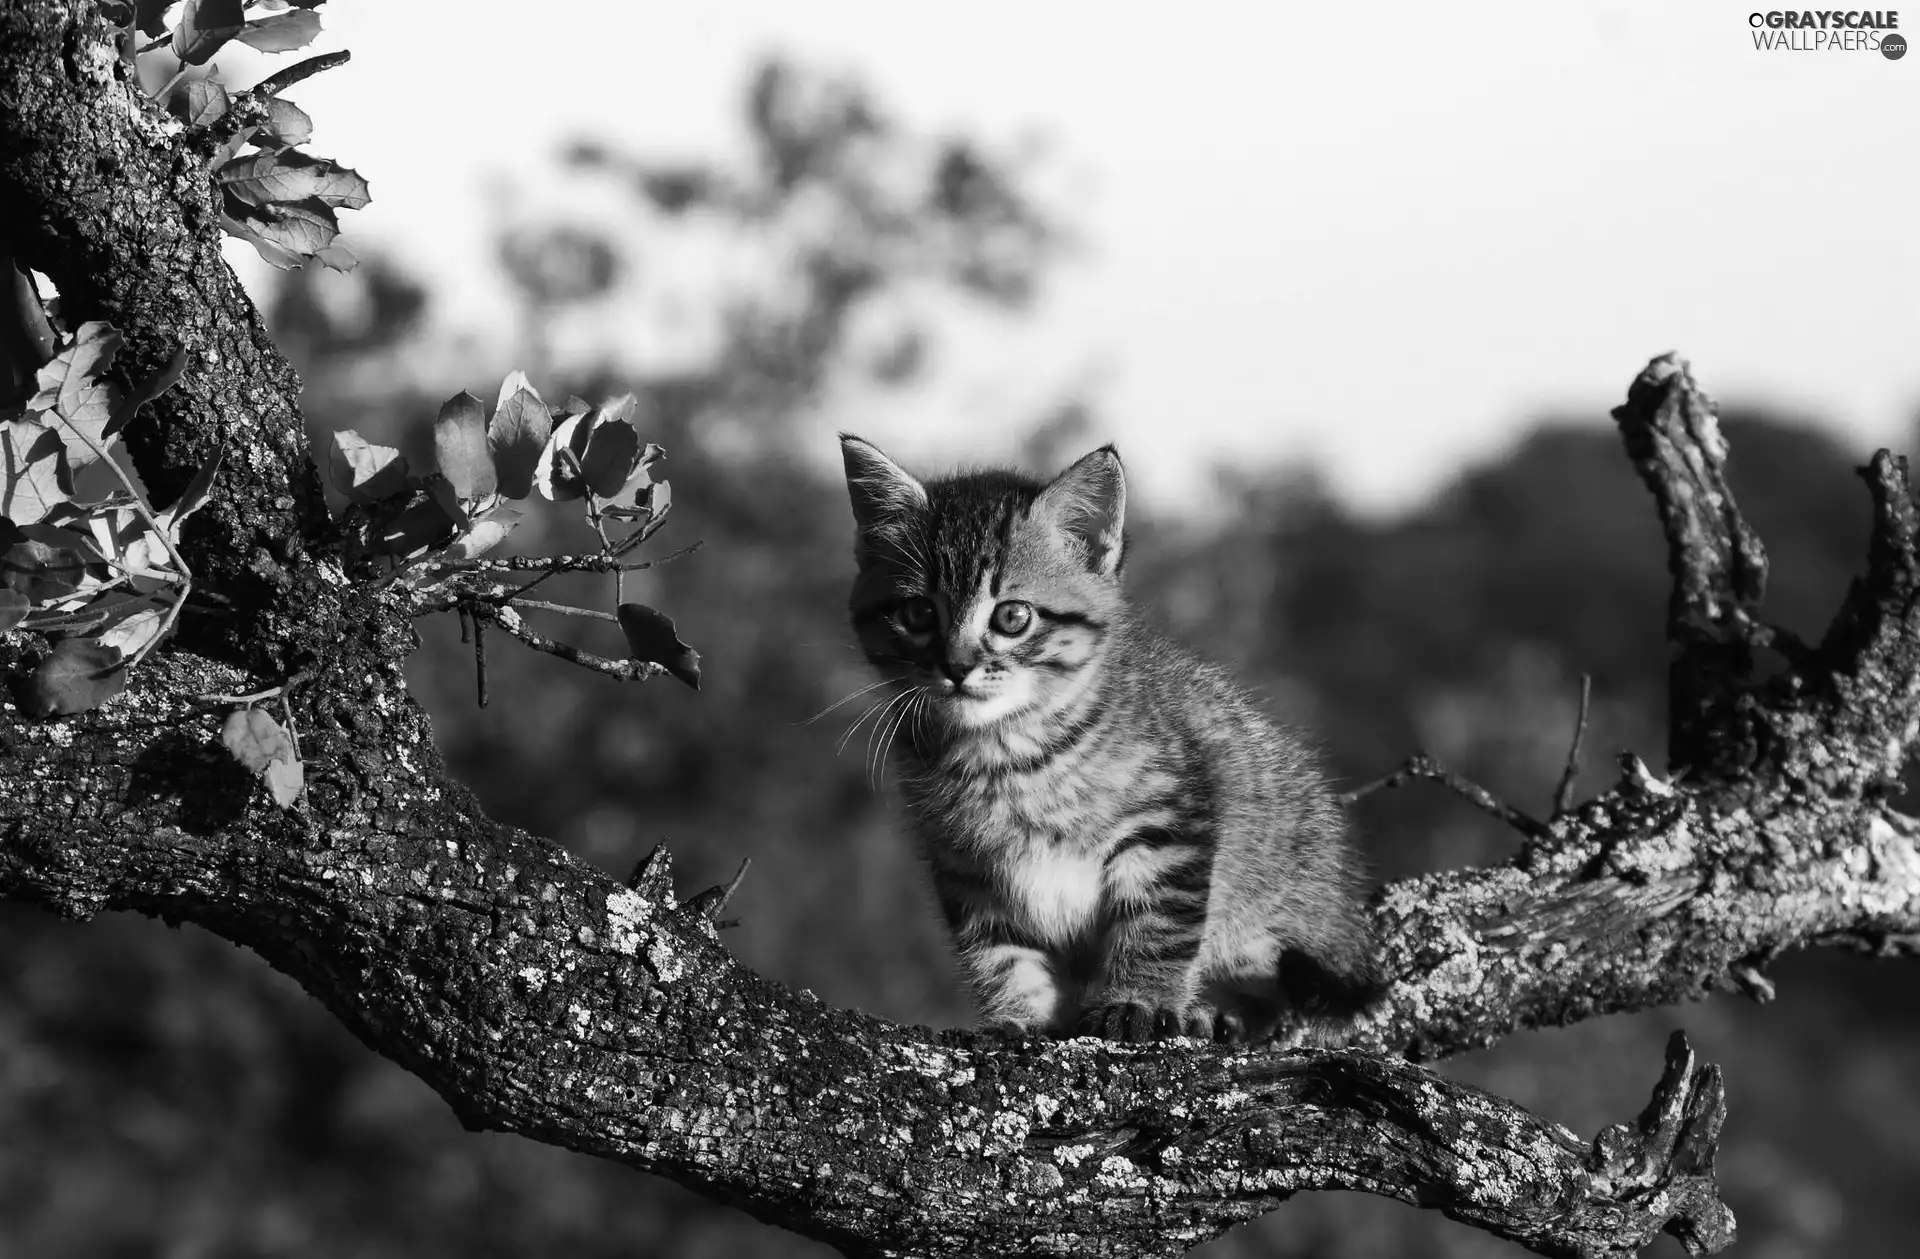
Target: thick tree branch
{"type": "Point", "coordinates": [538, 996]}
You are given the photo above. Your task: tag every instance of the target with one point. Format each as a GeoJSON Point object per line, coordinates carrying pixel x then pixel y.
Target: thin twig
{"type": "Point", "coordinates": [1563, 794]}
{"type": "Point", "coordinates": [283, 690]}
{"type": "Point", "coordinates": [508, 619]}
{"type": "Point", "coordinates": [293, 730]}
{"type": "Point", "coordinates": [480, 660]}
{"type": "Point", "coordinates": [274, 84]}
{"type": "Point", "coordinates": [711, 903]}
{"type": "Point", "coordinates": [558, 563]}
{"type": "Point", "coordinates": [1420, 765]}
{"type": "Point", "coordinates": [565, 609]}
{"type": "Point", "coordinates": [632, 540]}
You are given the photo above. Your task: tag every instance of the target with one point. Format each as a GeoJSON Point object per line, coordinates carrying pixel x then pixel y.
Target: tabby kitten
{"type": "Point", "coordinates": [1122, 845]}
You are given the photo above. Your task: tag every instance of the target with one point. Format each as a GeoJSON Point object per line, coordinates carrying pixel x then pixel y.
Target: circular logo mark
{"type": "Point", "coordinates": [1893, 47]}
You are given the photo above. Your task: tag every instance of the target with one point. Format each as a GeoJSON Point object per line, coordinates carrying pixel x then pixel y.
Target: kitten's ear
{"type": "Point", "coordinates": [882, 491]}
{"type": "Point", "coordinates": [1089, 502]}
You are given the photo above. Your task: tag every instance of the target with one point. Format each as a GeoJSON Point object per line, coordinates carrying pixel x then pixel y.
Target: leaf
{"type": "Point", "coordinates": [194, 497]}
{"type": "Point", "coordinates": [448, 500]}
{"type": "Point", "coordinates": [613, 449]}
{"type": "Point", "coordinates": [277, 255]}
{"type": "Point", "coordinates": [78, 675]}
{"type": "Point", "coordinates": [283, 32]}
{"type": "Point", "coordinates": [205, 25]}
{"type": "Point", "coordinates": [263, 178]}
{"type": "Point", "coordinates": [286, 780]}
{"type": "Point", "coordinates": [121, 534]}
{"type": "Point", "coordinates": [42, 572]}
{"type": "Point", "coordinates": [303, 228]}
{"type": "Point", "coordinates": [134, 634]}
{"type": "Point", "coordinates": [559, 476]}
{"type": "Point", "coordinates": [147, 390]}
{"type": "Point", "coordinates": [642, 497]}
{"type": "Point", "coordinates": [33, 471]}
{"type": "Point", "coordinates": [651, 636]}
{"type": "Point", "coordinates": [198, 102]}
{"type": "Point", "coordinates": [518, 435]}
{"type": "Point", "coordinates": [287, 123]}
{"type": "Point", "coordinates": [73, 386]}
{"type": "Point", "coordinates": [14, 607]}
{"type": "Point", "coordinates": [422, 523]}
{"type": "Point", "coordinates": [150, 16]}
{"type": "Point", "coordinates": [460, 444]}
{"type": "Point", "coordinates": [337, 257]}
{"type": "Point", "coordinates": [362, 471]}
{"type": "Point", "coordinates": [259, 743]}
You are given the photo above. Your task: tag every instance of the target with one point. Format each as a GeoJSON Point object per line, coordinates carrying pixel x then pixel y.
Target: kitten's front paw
{"type": "Point", "coordinates": [1129, 1021]}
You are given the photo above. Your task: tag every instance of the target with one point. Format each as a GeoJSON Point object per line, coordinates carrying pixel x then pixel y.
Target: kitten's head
{"type": "Point", "coordinates": [988, 592]}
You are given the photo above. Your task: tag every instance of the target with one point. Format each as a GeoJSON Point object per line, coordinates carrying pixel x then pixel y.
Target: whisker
{"type": "Point", "coordinates": [877, 706]}
{"type": "Point", "coordinates": [886, 741]}
{"type": "Point", "coordinates": [844, 699]}
{"type": "Point", "coordinates": [876, 738]}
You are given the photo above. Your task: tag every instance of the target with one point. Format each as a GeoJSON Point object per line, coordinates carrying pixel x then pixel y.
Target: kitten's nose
{"type": "Point", "coordinates": [956, 671]}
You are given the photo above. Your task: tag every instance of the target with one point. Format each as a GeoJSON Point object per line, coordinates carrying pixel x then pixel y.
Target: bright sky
{"type": "Point", "coordinates": [1380, 236]}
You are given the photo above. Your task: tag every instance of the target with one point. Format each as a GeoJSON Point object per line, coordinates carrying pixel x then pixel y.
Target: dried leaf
{"type": "Point", "coordinates": [486, 533]}
{"type": "Point", "coordinates": [203, 26]}
{"type": "Point", "coordinates": [460, 444]}
{"type": "Point", "coordinates": [651, 636]}
{"type": "Point", "coordinates": [283, 32]}
{"type": "Point", "coordinates": [14, 607]}
{"type": "Point", "coordinates": [147, 390]}
{"type": "Point", "coordinates": [518, 435]}
{"type": "Point", "coordinates": [259, 743]}
{"type": "Point", "coordinates": [78, 675]}
{"type": "Point", "coordinates": [286, 780]}
{"type": "Point", "coordinates": [362, 471]}
{"type": "Point", "coordinates": [255, 739]}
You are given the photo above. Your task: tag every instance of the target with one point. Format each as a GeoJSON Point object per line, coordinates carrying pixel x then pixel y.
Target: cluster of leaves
{"type": "Point", "coordinates": [100, 576]}
{"type": "Point", "coordinates": [435, 526]}
{"type": "Point", "coordinates": [276, 198]}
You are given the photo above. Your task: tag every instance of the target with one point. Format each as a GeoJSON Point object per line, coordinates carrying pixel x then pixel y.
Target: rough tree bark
{"type": "Point", "coordinates": [537, 995]}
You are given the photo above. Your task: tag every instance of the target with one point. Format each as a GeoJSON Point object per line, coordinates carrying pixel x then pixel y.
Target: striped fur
{"type": "Point", "coordinates": [1122, 844]}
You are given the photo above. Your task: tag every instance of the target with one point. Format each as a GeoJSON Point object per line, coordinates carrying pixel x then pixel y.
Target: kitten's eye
{"type": "Point", "coordinates": [917, 616]}
{"type": "Point", "coordinates": [1012, 618]}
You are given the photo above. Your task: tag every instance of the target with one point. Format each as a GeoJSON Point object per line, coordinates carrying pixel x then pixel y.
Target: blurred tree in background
{"type": "Point", "coordinates": [165, 1094]}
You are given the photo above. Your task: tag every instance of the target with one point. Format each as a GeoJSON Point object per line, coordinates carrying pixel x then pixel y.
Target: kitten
{"type": "Point", "coordinates": [1122, 845]}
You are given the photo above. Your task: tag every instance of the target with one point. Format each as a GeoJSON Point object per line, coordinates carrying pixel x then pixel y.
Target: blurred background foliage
{"type": "Point", "coordinates": [164, 1093]}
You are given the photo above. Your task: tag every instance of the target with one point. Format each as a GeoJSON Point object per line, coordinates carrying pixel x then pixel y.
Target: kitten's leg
{"type": "Point", "coordinates": [1016, 987]}
{"type": "Point", "coordinates": [1154, 913]}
